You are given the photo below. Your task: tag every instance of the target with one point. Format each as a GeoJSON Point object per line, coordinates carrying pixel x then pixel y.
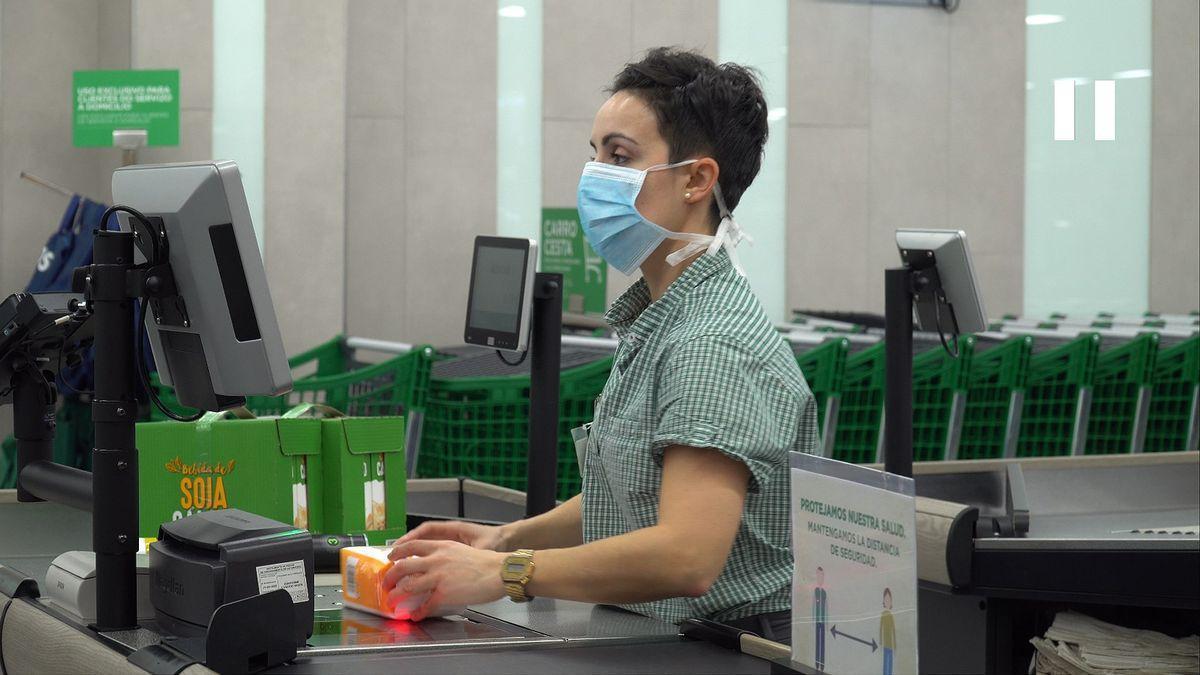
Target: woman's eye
{"type": "Point", "coordinates": [619, 159]}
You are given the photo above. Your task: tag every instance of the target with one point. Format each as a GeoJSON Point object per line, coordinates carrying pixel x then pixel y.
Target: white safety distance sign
{"type": "Point", "coordinates": [854, 592]}
{"type": "Point", "coordinates": [289, 576]}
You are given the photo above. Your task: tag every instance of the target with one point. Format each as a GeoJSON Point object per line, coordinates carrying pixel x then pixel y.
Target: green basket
{"type": "Point", "coordinates": [996, 374]}
{"type": "Point", "coordinates": [1122, 372]}
{"type": "Point", "coordinates": [938, 378]}
{"type": "Point", "coordinates": [1050, 411]}
{"type": "Point", "coordinates": [478, 427]}
{"type": "Point", "coordinates": [389, 388]}
{"type": "Point", "coordinates": [1176, 389]}
{"type": "Point", "coordinates": [330, 374]}
{"type": "Point", "coordinates": [824, 369]}
{"type": "Point", "coordinates": [860, 411]}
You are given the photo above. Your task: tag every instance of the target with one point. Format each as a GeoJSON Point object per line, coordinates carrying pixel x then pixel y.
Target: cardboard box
{"type": "Point", "coordinates": [364, 476]}
{"type": "Point", "coordinates": [270, 467]}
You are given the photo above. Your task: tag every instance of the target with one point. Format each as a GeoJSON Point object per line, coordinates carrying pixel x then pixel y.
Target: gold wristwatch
{"type": "Point", "coordinates": [516, 571]}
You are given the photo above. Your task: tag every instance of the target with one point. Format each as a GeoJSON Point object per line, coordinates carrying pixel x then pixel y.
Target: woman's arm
{"type": "Point", "coordinates": [559, 527]}
{"type": "Point", "coordinates": [700, 510]}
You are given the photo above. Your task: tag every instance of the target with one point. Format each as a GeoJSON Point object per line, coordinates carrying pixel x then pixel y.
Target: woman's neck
{"type": "Point", "coordinates": [658, 273]}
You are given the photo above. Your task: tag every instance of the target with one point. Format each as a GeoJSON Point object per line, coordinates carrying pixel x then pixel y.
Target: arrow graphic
{"type": "Point", "coordinates": [872, 644]}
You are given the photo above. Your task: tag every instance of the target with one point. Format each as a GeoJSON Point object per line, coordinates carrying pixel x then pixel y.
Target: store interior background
{"type": "Point", "coordinates": [378, 137]}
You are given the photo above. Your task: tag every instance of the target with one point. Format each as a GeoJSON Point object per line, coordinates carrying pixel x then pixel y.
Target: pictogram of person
{"type": "Point", "coordinates": [820, 616]}
{"type": "Point", "coordinates": [887, 632]}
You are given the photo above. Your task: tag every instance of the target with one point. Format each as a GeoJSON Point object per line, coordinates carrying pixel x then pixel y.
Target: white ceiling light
{"type": "Point", "coordinates": [512, 12]}
{"type": "Point", "coordinates": [1131, 74]}
{"type": "Point", "coordinates": [775, 114]}
{"type": "Point", "coordinates": [1043, 19]}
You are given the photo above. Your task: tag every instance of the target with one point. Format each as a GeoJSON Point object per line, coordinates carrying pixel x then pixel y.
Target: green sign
{"type": "Point", "coordinates": [106, 100]}
{"type": "Point", "coordinates": [585, 275]}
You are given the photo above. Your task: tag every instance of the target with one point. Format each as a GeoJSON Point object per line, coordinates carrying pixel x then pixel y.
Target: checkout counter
{"type": "Point", "coordinates": [1003, 545]}
{"type": "Point", "coordinates": [543, 636]}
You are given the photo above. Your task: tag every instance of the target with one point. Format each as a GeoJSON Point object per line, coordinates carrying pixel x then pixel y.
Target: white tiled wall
{"type": "Point", "coordinates": [903, 116]}
{"type": "Point", "coordinates": [1175, 158]}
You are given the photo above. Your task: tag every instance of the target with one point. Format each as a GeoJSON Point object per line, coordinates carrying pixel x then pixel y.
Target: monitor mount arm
{"type": "Point", "coordinates": [917, 280]}
{"type": "Point", "coordinates": [112, 286]}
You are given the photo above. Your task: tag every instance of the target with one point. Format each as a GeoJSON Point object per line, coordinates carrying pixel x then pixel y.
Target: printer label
{"type": "Point", "coordinates": [286, 575]}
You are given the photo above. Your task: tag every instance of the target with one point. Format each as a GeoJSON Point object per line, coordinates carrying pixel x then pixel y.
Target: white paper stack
{"type": "Point", "coordinates": [1077, 644]}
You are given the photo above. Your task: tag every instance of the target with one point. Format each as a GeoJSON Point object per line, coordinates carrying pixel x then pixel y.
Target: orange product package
{"type": "Point", "coordinates": [363, 587]}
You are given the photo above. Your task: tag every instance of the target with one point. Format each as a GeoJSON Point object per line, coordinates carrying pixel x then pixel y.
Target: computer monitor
{"type": "Point", "coordinates": [959, 308]}
{"type": "Point", "coordinates": [501, 293]}
{"type": "Point", "coordinates": [218, 341]}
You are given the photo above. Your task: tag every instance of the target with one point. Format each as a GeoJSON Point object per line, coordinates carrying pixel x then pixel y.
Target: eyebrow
{"type": "Point", "coordinates": [609, 137]}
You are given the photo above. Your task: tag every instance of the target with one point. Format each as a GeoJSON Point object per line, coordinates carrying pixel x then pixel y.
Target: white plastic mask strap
{"type": "Point", "coordinates": [729, 233]}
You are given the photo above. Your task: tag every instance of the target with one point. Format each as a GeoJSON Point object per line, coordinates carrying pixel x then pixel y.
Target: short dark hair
{"type": "Point", "coordinates": [703, 107]}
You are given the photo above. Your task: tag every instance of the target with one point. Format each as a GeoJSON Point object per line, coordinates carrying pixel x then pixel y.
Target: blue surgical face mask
{"type": "Point", "coordinates": [616, 230]}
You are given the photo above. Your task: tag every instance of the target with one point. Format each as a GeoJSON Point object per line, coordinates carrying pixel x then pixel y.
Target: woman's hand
{"type": "Point", "coordinates": [487, 537]}
{"type": "Point", "coordinates": [453, 573]}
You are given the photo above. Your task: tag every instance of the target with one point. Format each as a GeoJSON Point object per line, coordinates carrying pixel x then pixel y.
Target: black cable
{"type": "Point", "coordinates": [141, 366]}
{"type": "Point", "coordinates": [937, 314]}
{"type": "Point", "coordinates": [512, 364]}
{"type": "Point", "coordinates": [91, 392]}
{"type": "Point", "coordinates": [162, 251]}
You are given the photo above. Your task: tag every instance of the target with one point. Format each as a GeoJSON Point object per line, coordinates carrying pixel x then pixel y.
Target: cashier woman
{"type": "Point", "coordinates": [685, 504]}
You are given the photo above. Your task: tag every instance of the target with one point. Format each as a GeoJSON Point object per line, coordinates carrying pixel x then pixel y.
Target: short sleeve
{"type": "Point", "coordinates": [714, 393]}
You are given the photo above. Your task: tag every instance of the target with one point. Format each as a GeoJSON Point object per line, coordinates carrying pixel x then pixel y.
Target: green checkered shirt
{"type": "Point", "coordinates": [701, 367]}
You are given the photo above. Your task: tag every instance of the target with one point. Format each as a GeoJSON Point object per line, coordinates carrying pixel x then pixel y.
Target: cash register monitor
{"type": "Point", "coordinates": [501, 293]}
{"type": "Point", "coordinates": [959, 308]}
{"type": "Point", "coordinates": [218, 341]}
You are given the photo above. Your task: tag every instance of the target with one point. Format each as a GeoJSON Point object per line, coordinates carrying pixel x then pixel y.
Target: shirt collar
{"type": "Point", "coordinates": [634, 316]}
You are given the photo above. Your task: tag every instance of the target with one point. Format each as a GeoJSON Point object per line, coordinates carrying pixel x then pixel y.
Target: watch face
{"type": "Point", "coordinates": [514, 568]}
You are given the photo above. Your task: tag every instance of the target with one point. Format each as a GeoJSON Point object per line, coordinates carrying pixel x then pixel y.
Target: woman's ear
{"type": "Point", "coordinates": [701, 180]}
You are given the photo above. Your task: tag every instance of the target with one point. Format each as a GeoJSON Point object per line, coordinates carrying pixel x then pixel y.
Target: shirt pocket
{"type": "Point", "coordinates": [624, 450]}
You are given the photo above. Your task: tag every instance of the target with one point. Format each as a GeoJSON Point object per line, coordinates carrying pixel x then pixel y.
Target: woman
{"type": "Point", "coordinates": [685, 504]}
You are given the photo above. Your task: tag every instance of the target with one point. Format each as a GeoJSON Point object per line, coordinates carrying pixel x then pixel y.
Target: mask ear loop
{"type": "Point", "coordinates": [729, 233]}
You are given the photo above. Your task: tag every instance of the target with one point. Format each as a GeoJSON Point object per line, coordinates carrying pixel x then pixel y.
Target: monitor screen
{"type": "Point", "coordinates": [496, 292]}
{"type": "Point", "coordinates": [501, 291]}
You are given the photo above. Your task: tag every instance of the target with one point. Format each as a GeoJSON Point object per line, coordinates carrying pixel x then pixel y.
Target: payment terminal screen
{"type": "Point", "coordinates": [496, 295]}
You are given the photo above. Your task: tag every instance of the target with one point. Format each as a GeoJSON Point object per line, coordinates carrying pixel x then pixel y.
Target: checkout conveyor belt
{"type": "Point", "coordinates": [543, 636]}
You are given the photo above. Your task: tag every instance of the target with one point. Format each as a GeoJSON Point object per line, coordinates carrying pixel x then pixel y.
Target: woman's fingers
{"type": "Point", "coordinates": [433, 529]}
{"type": "Point", "coordinates": [431, 603]}
{"type": "Point", "coordinates": [404, 549]}
{"type": "Point", "coordinates": [414, 585]}
{"type": "Point", "coordinates": [404, 567]}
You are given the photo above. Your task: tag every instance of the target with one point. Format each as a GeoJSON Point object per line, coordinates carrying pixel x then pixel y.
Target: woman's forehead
{"type": "Point", "coordinates": [626, 115]}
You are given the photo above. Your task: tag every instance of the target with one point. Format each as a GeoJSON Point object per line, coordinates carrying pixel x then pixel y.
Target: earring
{"type": "Point", "coordinates": [687, 195]}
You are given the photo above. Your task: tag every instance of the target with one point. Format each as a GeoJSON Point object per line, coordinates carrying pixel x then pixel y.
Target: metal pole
{"type": "Point", "coordinates": [898, 299]}
{"type": "Point", "coordinates": [546, 349]}
{"type": "Point", "coordinates": [33, 425]}
{"type": "Point", "coordinates": [114, 459]}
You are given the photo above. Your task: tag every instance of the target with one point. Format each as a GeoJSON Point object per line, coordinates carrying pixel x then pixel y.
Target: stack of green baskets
{"type": "Point", "coordinates": [330, 374]}
{"type": "Point", "coordinates": [824, 369]}
{"type": "Point", "coordinates": [996, 383]}
{"type": "Point", "coordinates": [1121, 386]}
{"type": "Point", "coordinates": [938, 379]}
{"type": "Point", "coordinates": [1175, 401]}
{"type": "Point", "coordinates": [478, 427]}
{"type": "Point", "coordinates": [1059, 375]}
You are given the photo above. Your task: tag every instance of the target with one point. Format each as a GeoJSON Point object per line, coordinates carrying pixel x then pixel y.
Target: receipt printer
{"type": "Point", "coordinates": [71, 586]}
{"type": "Point", "coordinates": [213, 558]}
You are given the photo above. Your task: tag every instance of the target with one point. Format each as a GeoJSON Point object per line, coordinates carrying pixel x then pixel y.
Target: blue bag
{"type": "Point", "coordinates": [56, 252]}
